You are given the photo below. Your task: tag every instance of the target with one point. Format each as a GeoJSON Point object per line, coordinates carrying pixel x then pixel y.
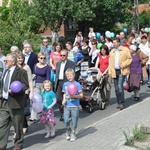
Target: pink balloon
{"type": "Point", "coordinates": [37, 107]}
{"type": "Point", "coordinates": [16, 86]}
{"type": "Point", "coordinates": [72, 89]}
{"type": "Point", "coordinates": [125, 86]}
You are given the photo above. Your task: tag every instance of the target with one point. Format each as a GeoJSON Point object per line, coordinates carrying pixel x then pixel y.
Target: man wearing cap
{"type": "Point", "coordinates": [119, 67]}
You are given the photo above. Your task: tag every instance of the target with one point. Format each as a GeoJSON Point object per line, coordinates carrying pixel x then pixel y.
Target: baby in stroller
{"type": "Point", "coordinates": [100, 86]}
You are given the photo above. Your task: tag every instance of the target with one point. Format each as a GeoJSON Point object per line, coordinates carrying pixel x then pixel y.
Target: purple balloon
{"type": "Point", "coordinates": [37, 98]}
{"type": "Point", "coordinates": [16, 86]}
{"type": "Point", "coordinates": [37, 107]}
{"type": "Point", "coordinates": [72, 89]}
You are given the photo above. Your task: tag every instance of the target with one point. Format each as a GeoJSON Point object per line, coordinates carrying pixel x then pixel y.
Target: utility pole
{"type": "Point", "coordinates": [136, 16]}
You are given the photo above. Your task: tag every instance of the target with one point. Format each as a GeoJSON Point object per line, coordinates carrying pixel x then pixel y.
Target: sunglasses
{"type": "Point", "coordinates": [7, 60]}
{"type": "Point", "coordinates": [93, 44]}
{"type": "Point", "coordinates": [45, 42]}
{"type": "Point", "coordinates": [27, 47]}
{"type": "Point", "coordinates": [42, 58]}
{"type": "Point", "coordinates": [62, 55]}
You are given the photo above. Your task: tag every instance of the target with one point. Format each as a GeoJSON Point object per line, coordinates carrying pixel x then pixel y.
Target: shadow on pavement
{"type": "Point", "coordinates": [86, 132]}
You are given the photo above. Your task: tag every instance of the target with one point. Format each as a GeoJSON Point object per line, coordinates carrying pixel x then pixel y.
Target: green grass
{"type": "Point", "coordinates": [138, 134]}
{"type": "Point", "coordinates": [135, 135]}
{"type": "Point", "coordinates": [129, 139]}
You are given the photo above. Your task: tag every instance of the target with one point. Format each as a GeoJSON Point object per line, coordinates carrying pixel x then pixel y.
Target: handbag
{"type": "Point", "coordinates": [125, 85]}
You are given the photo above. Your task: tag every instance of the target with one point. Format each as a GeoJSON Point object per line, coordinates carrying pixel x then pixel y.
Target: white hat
{"type": "Point", "coordinates": [133, 47]}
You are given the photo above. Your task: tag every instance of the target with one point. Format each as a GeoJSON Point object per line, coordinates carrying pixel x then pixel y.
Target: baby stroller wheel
{"type": "Point", "coordinates": [89, 108]}
{"type": "Point", "coordinates": [102, 105]}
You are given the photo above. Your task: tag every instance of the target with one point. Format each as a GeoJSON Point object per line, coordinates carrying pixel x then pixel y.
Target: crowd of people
{"type": "Point", "coordinates": [50, 72]}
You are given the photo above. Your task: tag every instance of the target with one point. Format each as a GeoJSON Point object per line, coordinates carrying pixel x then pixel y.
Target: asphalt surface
{"type": "Point", "coordinates": [34, 139]}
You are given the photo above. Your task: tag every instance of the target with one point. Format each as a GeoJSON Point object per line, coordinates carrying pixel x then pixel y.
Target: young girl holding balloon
{"type": "Point", "coordinates": [47, 115]}
{"type": "Point", "coordinates": [72, 93]}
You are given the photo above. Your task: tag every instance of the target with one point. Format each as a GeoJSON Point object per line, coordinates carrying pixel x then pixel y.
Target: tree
{"type": "Point", "coordinates": [144, 19]}
{"type": "Point", "coordinates": [54, 13]}
{"type": "Point", "coordinates": [110, 12]}
{"type": "Point", "coordinates": [18, 23]}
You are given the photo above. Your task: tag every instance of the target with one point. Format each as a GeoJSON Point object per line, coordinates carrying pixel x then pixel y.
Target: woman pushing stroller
{"type": "Point", "coordinates": [103, 77]}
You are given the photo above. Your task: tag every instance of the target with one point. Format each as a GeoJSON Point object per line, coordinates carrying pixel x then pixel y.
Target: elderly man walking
{"type": "Point", "coordinates": [12, 106]}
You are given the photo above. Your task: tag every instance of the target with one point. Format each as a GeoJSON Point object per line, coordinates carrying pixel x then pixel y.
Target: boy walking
{"type": "Point", "coordinates": [71, 105]}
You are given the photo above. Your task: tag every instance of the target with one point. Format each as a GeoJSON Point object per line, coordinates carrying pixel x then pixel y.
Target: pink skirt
{"type": "Point", "coordinates": [47, 116]}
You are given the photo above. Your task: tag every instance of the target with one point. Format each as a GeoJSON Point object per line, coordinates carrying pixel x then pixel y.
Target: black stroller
{"type": "Point", "coordinates": [88, 102]}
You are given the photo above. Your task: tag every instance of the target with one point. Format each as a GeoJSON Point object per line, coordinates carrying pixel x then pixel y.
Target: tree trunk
{"type": "Point", "coordinates": [55, 37]}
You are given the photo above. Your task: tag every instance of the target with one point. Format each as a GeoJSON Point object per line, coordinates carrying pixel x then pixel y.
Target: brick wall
{"type": "Point", "coordinates": [48, 32]}
{"type": "Point", "coordinates": [143, 7]}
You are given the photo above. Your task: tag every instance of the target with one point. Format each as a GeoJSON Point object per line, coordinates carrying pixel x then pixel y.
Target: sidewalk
{"type": "Point", "coordinates": [107, 133]}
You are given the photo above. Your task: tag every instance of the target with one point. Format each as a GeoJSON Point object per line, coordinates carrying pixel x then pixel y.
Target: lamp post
{"type": "Point", "coordinates": [136, 16]}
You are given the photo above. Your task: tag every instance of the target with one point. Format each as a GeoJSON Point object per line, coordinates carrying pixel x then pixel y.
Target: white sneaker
{"type": "Point", "coordinates": [47, 135]}
{"type": "Point", "coordinates": [52, 133]}
{"type": "Point", "coordinates": [73, 137]}
{"type": "Point", "coordinates": [68, 132]}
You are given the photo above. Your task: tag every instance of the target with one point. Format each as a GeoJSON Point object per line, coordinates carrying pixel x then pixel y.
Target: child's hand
{"type": "Point", "coordinates": [9, 91]}
{"type": "Point", "coordinates": [49, 107]}
{"type": "Point", "coordinates": [121, 66]}
{"type": "Point", "coordinates": [72, 96]}
{"type": "Point", "coordinates": [53, 68]}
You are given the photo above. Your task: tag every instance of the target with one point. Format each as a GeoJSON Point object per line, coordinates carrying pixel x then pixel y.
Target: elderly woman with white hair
{"type": "Point", "coordinates": [14, 49]}
{"type": "Point", "coordinates": [138, 59]}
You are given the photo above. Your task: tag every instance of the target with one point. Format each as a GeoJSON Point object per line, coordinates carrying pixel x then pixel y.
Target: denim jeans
{"type": "Point", "coordinates": [118, 83]}
{"type": "Point", "coordinates": [71, 114]}
{"type": "Point", "coordinates": [148, 73]}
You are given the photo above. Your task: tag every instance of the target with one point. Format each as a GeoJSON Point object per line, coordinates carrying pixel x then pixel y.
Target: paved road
{"type": "Point", "coordinates": [35, 137]}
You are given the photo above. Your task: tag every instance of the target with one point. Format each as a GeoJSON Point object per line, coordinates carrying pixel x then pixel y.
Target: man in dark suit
{"type": "Point", "coordinates": [61, 67]}
{"type": "Point", "coordinates": [31, 60]}
{"type": "Point", "coordinates": [12, 104]}
{"type": "Point", "coordinates": [30, 56]}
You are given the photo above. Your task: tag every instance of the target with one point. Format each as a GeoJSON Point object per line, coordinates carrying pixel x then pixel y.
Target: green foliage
{"type": "Point", "coordinates": [54, 13]}
{"type": "Point", "coordinates": [143, 1]}
{"type": "Point", "coordinates": [110, 12]}
{"type": "Point", "coordinates": [138, 134]}
{"type": "Point", "coordinates": [144, 20]}
{"type": "Point", "coordinates": [18, 23]}
{"type": "Point", "coordinates": [22, 21]}
{"type": "Point", "coordinates": [135, 135]}
{"type": "Point", "coordinates": [129, 139]}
